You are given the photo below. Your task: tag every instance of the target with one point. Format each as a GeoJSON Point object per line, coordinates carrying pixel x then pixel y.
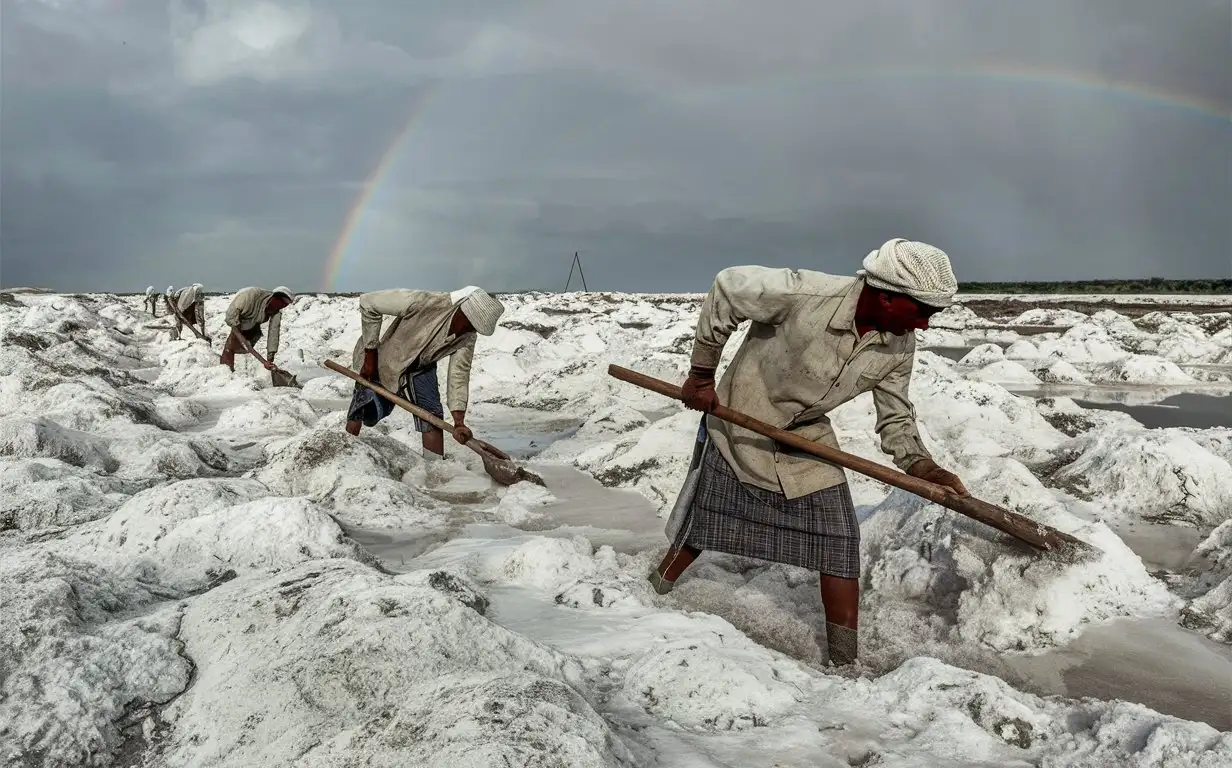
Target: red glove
{"type": "Point", "coordinates": [927, 469]}
{"type": "Point", "coordinates": [698, 390]}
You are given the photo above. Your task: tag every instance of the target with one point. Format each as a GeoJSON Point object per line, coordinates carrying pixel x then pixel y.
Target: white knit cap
{"type": "Point", "coordinates": [285, 291]}
{"type": "Point", "coordinates": [920, 270]}
{"type": "Point", "coordinates": [483, 310]}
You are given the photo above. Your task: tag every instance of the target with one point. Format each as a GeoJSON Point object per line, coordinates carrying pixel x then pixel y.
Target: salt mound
{"type": "Point", "coordinates": [1183, 342]}
{"type": "Point", "coordinates": [381, 502]}
{"type": "Point", "coordinates": [607, 425]}
{"type": "Point", "coordinates": [262, 535]}
{"type": "Point", "coordinates": [188, 535]}
{"type": "Point", "coordinates": [475, 721]}
{"type": "Point", "coordinates": [984, 354]}
{"type": "Point", "coordinates": [977, 419]}
{"type": "Point", "coordinates": [1060, 372]}
{"type": "Point", "coordinates": [353, 659]}
{"type": "Point", "coordinates": [955, 579]}
{"type": "Point", "coordinates": [1217, 440]}
{"type": "Point", "coordinates": [1140, 369]}
{"type": "Point", "coordinates": [1157, 475]}
{"type": "Point", "coordinates": [703, 688]}
{"type": "Point", "coordinates": [93, 406]}
{"type": "Point", "coordinates": [269, 411]}
{"type": "Point", "coordinates": [167, 455]}
{"type": "Point", "coordinates": [652, 461]}
{"type": "Point", "coordinates": [1211, 612]}
{"type": "Point", "coordinates": [1005, 372]}
{"type": "Point", "coordinates": [79, 650]}
{"type": "Point", "coordinates": [41, 493]}
{"type": "Point", "coordinates": [959, 717]}
{"type": "Point", "coordinates": [957, 318]}
{"type": "Point", "coordinates": [1022, 350]}
{"type": "Point", "coordinates": [934, 337]}
{"type": "Point", "coordinates": [43, 438]}
{"type": "Point", "coordinates": [312, 463]}
{"type": "Point", "coordinates": [215, 380]}
{"type": "Point", "coordinates": [328, 388]}
{"type": "Point", "coordinates": [519, 504]}
{"type": "Point", "coordinates": [1088, 343]}
{"type": "Point", "coordinates": [1049, 317]}
{"type": "Point", "coordinates": [551, 563]}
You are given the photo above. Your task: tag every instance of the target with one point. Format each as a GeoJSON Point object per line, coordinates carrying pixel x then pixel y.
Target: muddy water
{"type": "Point", "coordinates": [1161, 547]}
{"type": "Point", "coordinates": [1153, 662]}
{"type": "Point", "coordinates": [1186, 409]}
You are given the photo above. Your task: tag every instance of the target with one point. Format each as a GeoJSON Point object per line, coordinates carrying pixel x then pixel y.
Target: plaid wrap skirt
{"type": "Point", "coordinates": [818, 532]}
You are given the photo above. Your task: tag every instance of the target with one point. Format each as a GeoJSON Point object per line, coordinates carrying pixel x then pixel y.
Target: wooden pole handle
{"type": "Point", "coordinates": [1020, 527]}
{"type": "Point", "coordinates": [475, 444]}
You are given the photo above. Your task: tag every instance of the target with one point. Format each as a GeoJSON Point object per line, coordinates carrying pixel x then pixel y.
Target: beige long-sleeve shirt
{"type": "Point", "coordinates": [187, 297]}
{"type": "Point", "coordinates": [801, 358]}
{"type": "Point", "coordinates": [418, 336]}
{"type": "Point", "coordinates": [247, 311]}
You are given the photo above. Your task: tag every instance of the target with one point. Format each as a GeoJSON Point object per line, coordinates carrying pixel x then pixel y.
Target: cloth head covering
{"type": "Point", "coordinates": [480, 307]}
{"type": "Point", "coordinates": [285, 291]}
{"type": "Point", "coordinates": [920, 270]}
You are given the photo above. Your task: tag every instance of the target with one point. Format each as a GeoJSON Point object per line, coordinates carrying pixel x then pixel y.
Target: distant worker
{"type": "Point", "coordinates": [151, 301]}
{"type": "Point", "coordinates": [188, 305]}
{"type": "Point", "coordinates": [427, 327]}
{"type": "Point", "coordinates": [250, 308]}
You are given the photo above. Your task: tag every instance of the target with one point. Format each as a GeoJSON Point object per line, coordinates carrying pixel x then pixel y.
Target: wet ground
{"type": "Point", "coordinates": [1186, 409]}
{"type": "Point", "coordinates": [1154, 662]}
{"type": "Point", "coordinates": [1149, 661]}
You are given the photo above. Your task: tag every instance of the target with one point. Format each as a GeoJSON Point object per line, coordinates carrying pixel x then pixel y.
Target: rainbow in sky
{"type": "Point", "coordinates": [344, 249]}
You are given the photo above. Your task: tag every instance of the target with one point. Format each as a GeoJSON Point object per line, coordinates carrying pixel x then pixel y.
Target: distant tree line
{"type": "Point", "coordinates": [1152, 285]}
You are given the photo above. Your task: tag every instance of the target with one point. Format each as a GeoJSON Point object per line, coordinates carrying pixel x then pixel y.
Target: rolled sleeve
{"type": "Point", "coordinates": [275, 334]}
{"type": "Point", "coordinates": [458, 387]}
{"type": "Point", "coordinates": [761, 294]}
{"type": "Point", "coordinates": [896, 418]}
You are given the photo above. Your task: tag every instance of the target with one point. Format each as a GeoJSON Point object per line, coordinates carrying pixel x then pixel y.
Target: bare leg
{"type": "Point", "coordinates": [353, 427]}
{"type": "Point", "coordinates": [434, 440]}
{"type": "Point", "coordinates": [227, 357]}
{"type": "Point", "coordinates": [671, 567]}
{"type": "Point", "coordinates": [840, 598]}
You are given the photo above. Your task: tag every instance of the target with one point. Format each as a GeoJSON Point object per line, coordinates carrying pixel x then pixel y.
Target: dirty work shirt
{"type": "Point", "coordinates": [191, 304]}
{"type": "Point", "coordinates": [247, 312]}
{"type": "Point", "coordinates": [802, 358]}
{"type": "Point", "coordinates": [417, 337]}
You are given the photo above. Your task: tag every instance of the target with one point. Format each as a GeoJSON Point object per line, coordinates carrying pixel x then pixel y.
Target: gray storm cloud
{"type": "Point", "coordinates": [237, 143]}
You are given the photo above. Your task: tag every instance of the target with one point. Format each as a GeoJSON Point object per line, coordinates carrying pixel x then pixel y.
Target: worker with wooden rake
{"type": "Point", "coordinates": [816, 341]}
{"type": "Point", "coordinates": [188, 306]}
{"type": "Point", "coordinates": [249, 308]}
{"type": "Point", "coordinates": [427, 327]}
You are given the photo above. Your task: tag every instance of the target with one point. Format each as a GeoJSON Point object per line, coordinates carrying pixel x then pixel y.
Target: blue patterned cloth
{"type": "Point", "coordinates": [422, 389]}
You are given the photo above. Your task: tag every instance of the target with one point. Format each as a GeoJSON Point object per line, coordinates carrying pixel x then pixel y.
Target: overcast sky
{"type": "Point", "coordinates": [227, 141]}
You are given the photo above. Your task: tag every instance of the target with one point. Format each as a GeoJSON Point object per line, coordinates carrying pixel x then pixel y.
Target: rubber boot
{"type": "Point", "coordinates": [843, 643]}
